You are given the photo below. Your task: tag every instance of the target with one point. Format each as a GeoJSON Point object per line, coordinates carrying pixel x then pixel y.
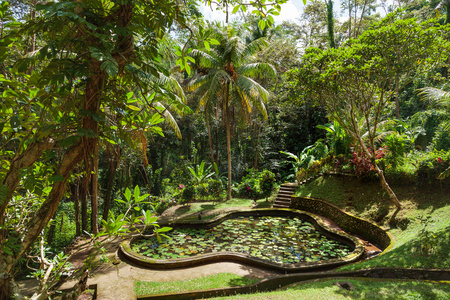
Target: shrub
{"type": "Point", "coordinates": [441, 139]}
{"type": "Point", "coordinates": [396, 144]}
{"type": "Point", "coordinates": [215, 187]}
{"type": "Point", "coordinates": [257, 184]}
{"type": "Point", "coordinates": [201, 189]}
{"type": "Point", "coordinates": [249, 188]}
{"type": "Point", "coordinates": [161, 206]}
{"type": "Point", "coordinates": [188, 193]}
{"type": "Point", "coordinates": [429, 120]}
{"type": "Point", "coordinates": [266, 182]}
{"type": "Point", "coordinates": [432, 165]}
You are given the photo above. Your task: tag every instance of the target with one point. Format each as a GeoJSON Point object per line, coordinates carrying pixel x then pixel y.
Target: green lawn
{"type": "Point", "coordinates": [363, 289]}
{"type": "Point", "coordinates": [422, 244]}
{"type": "Point", "coordinates": [237, 203]}
{"type": "Point", "coordinates": [208, 282]}
{"type": "Point", "coordinates": [422, 240]}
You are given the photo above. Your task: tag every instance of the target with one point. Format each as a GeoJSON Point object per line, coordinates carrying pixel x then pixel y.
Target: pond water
{"type": "Point", "coordinates": [278, 239]}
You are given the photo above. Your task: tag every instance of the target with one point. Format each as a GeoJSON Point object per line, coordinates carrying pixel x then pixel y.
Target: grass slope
{"type": "Point", "coordinates": [208, 282]}
{"type": "Point", "coordinates": [422, 236]}
{"type": "Point", "coordinates": [363, 289]}
{"type": "Point", "coordinates": [422, 240]}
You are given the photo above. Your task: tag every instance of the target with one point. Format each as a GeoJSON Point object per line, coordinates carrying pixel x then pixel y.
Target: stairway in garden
{"type": "Point", "coordinates": [283, 199]}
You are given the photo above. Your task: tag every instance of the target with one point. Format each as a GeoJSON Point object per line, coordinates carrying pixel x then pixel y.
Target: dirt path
{"type": "Point", "coordinates": [116, 281]}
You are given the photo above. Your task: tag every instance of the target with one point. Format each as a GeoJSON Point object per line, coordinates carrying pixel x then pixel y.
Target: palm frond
{"type": "Point", "coordinates": [199, 81]}
{"type": "Point", "coordinates": [436, 95]}
{"type": "Point", "coordinates": [253, 93]}
{"type": "Point", "coordinates": [170, 119]}
{"type": "Point", "coordinates": [215, 86]}
{"type": "Point", "coordinates": [253, 88]}
{"type": "Point", "coordinates": [171, 84]}
{"type": "Point", "coordinates": [262, 70]}
{"type": "Point", "coordinates": [254, 47]}
{"type": "Point", "coordinates": [203, 59]}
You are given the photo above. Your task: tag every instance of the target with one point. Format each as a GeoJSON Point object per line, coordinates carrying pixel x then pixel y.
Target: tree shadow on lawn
{"type": "Point", "coordinates": [425, 250]}
{"type": "Point", "coordinates": [207, 207]}
{"type": "Point", "coordinates": [242, 281]}
{"type": "Point", "coordinates": [381, 289]}
{"type": "Point", "coordinates": [182, 210]}
{"type": "Point", "coordinates": [366, 198]}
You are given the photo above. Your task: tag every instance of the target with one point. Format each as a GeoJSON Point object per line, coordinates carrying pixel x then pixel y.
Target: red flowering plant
{"type": "Point", "coordinates": [362, 165]}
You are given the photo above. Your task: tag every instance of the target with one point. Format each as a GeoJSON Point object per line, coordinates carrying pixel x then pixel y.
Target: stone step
{"type": "Point", "coordinates": [283, 197]}
{"type": "Point", "coordinates": [281, 206]}
{"type": "Point", "coordinates": [287, 188]}
{"type": "Point", "coordinates": [287, 194]}
{"type": "Point", "coordinates": [282, 203]}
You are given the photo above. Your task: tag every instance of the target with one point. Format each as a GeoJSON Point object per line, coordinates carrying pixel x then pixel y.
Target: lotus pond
{"type": "Point", "coordinates": [278, 239]}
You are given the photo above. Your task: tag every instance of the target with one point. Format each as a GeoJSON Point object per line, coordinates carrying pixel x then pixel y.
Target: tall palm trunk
{"type": "Point", "coordinates": [211, 148]}
{"type": "Point", "coordinates": [330, 23]}
{"type": "Point", "coordinates": [227, 126]}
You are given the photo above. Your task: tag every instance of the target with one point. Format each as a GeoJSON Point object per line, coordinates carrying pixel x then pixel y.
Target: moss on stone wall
{"type": "Point", "coordinates": [349, 223]}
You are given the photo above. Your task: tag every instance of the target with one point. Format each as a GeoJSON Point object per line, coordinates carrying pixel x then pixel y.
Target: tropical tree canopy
{"type": "Point", "coordinates": [226, 82]}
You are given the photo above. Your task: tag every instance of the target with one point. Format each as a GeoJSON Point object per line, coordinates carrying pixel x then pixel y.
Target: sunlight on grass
{"type": "Point", "coordinates": [363, 289]}
{"type": "Point", "coordinates": [422, 244]}
{"type": "Point", "coordinates": [207, 206]}
{"type": "Point", "coordinates": [208, 282]}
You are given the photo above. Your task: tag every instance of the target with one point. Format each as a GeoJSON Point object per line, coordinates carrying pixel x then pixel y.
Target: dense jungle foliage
{"type": "Point", "coordinates": [112, 111]}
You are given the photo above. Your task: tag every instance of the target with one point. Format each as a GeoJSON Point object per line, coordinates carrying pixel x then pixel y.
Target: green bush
{"type": "Point", "coordinates": [249, 188]}
{"type": "Point", "coordinates": [397, 145]}
{"type": "Point", "coordinates": [215, 187]}
{"type": "Point", "coordinates": [432, 165]}
{"type": "Point", "coordinates": [202, 189]}
{"type": "Point", "coordinates": [188, 193]}
{"type": "Point", "coordinates": [429, 120]}
{"type": "Point", "coordinates": [441, 139]}
{"type": "Point", "coordinates": [266, 183]}
{"type": "Point", "coordinates": [256, 184]}
{"type": "Point", "coordinates": [161, 206]}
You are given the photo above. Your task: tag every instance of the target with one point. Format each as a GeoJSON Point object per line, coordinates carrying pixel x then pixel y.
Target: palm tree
{"type": "Point", "coordinates": [441, 98]}
{"type": "Point", "coordinates": [225, 82]}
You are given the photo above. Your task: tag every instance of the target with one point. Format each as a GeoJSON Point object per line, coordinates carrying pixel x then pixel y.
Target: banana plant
{"type": "Point", "coordinates": [220, 177]}
{"type": "Point", "coordinates": [123, 223]}
{"type": "Point", "coordinates": [339, 140]}
{"type": "Point", "coordinates": [200, 174]}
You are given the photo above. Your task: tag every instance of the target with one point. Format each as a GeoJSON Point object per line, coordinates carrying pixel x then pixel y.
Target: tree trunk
{"type": "Point", "coordinates": [380, 173]}
{"type": "Point", "coordinates": [211, 149]}
{"type": "Point", "coordinates": [12, 177]}
{"type": "Point", "coordinates": [349, 19]}
{"type": "Point", "coordinates": [397, 104]}
{"type": "Point", "coordinates": [113, 156]}
{"type": "Point", "coordinates": [76, 201]}
{"type": "Point", "coordinates": [94, 87]}
{"type": "Point", "coordinates": [330, 23]}
{"type": "Point", "coordinates": [386, 186]}
{"type": "Point", "coordinates": [94, 191]}
{"type": "Point", "coordinates": [51, 232]}
{"type": "Point", "coordinates": [227, 126]}
{"type": "Point", "coordinates": [45, 213]}
{"type": "Point", "coordinates": [83, 200]}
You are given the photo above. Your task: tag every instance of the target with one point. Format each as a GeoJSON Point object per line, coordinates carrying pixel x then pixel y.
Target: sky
{"type": "Point", "coordinates": [289, 11]}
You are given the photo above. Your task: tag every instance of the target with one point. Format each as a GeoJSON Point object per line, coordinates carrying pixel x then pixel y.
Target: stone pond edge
{"type": "Point", "coordinates": [130, 255]}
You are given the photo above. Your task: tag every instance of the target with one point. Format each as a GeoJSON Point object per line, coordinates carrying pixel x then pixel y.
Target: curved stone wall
{"type": "Point", "coordinates": [144, 261]}
{"type": "Point", "coordinates": [349, 223]}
